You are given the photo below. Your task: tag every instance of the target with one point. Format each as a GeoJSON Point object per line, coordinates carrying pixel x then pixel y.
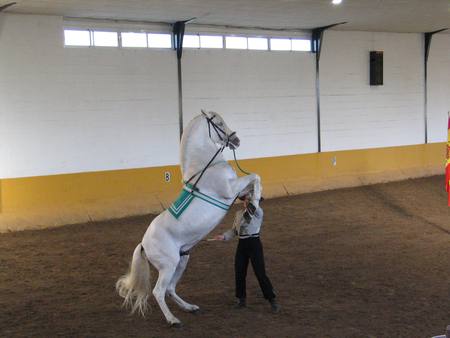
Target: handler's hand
{"type": "Point", "coordinates": [218, 238]}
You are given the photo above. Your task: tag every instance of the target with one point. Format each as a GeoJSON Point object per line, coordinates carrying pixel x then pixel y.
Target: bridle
{"type": "Point", "coordinates": [219, 131]}
{"type": "Point", "coordinates": [221, 134]}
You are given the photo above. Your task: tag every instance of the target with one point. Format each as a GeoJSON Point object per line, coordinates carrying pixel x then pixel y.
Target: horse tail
{"type": "Point", "coordinates": [134, 287]}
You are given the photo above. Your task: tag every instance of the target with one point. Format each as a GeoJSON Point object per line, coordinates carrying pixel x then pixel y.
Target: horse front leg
{"type": "Point", "coordinates": [243, 185]}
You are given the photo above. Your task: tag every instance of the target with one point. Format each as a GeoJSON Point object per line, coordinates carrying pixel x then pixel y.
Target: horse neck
{"type": "Point", "coordinates": [197, 149]}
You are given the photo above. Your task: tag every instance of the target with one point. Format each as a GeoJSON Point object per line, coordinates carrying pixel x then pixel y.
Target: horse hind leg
{"type": "Point", "coordinates": [173, 283]}
{"type": "Point", "coordinates": [166, 273]}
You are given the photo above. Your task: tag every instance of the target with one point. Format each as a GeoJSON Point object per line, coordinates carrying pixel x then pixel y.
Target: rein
{"type": "Point", "coordinates": [218, 131]}
{"type": "Point", "coordinates": [194, 187]}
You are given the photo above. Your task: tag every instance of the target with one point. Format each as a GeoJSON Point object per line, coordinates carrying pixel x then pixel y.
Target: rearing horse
{"type": "Point", "coordinates": [211, 187]}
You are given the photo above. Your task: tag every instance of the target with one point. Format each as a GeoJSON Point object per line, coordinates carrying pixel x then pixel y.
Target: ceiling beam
{"type": "Point", "coordinates": [428, 36]}
{"type": "Point", "coordinates": [2, 8]}
{"type": "Point", "coordinates": [317, 36]}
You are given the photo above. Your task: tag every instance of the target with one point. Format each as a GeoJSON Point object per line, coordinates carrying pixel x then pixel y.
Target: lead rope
{"type": "Point", "coordinates": [237, 163]}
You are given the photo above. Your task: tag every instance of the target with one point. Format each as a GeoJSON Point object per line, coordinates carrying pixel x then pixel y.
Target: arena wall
{"type": "Point", "coordinates": [268, 97]}
{"type": "Point", "coordinates": [89, 133]}
{"type": "Point", "coordinates": [359, 116]}
{"type": "Point", "coordinates": [70, 110]}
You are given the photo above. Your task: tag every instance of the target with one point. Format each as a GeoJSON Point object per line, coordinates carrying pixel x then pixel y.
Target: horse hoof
{"type": "Point", "coordinates": [195, 310]}
{"type": "Point", "coordinates": [176, 325]}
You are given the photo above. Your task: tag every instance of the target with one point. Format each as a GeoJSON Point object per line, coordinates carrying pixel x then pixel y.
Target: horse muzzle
{"type": "Point", "coordinates": [233, 141]}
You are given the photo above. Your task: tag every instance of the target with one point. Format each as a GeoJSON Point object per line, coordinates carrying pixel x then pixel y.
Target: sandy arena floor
{"type": "Point", "coordinates": [362, 262]}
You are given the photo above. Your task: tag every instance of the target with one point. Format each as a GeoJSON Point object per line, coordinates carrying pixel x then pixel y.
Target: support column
{"type": "Point", "coordinates": [427, 43]}
{"type": "Point", "coordinates": [178, 34]}
{"type": "Point", "coordinates": [316, 47]}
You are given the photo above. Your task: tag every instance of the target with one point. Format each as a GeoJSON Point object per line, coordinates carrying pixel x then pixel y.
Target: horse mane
{"type": "Point", "coordinates": [185, 162]}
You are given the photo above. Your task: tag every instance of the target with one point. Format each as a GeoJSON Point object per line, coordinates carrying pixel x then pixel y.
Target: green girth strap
{"type": "Point", "coordinates": [186, 197]}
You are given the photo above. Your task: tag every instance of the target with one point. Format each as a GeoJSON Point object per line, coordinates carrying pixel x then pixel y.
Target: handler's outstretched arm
{"type": "Point", "coordinates": [217, 238]}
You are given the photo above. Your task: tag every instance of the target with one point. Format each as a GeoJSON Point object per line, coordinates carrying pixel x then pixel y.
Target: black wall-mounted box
{"type": "Point", "coordinates": [376, 68]}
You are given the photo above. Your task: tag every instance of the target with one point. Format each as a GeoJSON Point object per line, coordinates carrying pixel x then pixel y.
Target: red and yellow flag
{"type": "Point", "coordinates": [447, 166]}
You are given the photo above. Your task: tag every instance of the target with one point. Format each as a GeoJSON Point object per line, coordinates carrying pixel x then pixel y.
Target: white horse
{"type": "Point", "coordinates": [168, 239]}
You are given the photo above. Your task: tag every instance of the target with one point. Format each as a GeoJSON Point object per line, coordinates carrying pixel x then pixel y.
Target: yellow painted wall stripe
{"type": "Point", "coordinates": [44, 201]}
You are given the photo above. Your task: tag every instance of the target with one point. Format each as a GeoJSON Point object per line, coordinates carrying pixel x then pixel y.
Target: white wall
{"type": "Point", "coordinates": [267, 97]}
{"type": "Point", "coordinates": [438, 87]}
{"type": "Point", "coordinates": [356, 115]}
{"type": "Point", "coordinates": [68, 110]}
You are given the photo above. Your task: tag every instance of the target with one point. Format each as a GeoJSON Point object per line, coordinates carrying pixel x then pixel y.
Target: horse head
{"type": "Point", "coordinates": [219, 132]}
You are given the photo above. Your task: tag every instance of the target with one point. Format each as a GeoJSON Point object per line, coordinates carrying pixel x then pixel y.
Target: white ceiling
{"type": "Point", "coordinates": [370, 15]}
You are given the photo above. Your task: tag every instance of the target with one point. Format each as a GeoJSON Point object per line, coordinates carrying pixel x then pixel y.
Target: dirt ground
{"type": "Point", "coordinates": [372, 261]}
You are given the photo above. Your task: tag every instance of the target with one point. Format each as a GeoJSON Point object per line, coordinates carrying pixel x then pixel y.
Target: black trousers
{"type": "Point", "coordinates": [251, 249]}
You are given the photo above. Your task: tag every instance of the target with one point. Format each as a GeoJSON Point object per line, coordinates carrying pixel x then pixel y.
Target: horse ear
{"type": "Point", "coordinates": [204, 113]}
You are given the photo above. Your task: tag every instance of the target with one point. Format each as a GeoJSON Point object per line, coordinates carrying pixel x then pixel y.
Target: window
{"type": "Point", "coordinates": [258, 44]}
{"type": "Point", "coordinates": [106, 39]}
{"type": "Point", "coordinates": [211, 41]}
{"type": "Point", "coordinates": [159, 40]}
{"type": "Point", "coordinates": [141, 39]}
{"type": "Point", "coordinates": [77, 37]}
{"type": "Point", "coordinates": [191, 41]}
{"type": "Point", "coordinates": [236, 42]}
{"type": "Point", "coordinates": [301, 45]}
{"type": "Point", "coordinates": [134, 40]}
{"type": "Point", "coordinates": [280, 44]}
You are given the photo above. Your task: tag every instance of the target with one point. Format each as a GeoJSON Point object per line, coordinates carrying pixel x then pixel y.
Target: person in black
{"type": "Point", "coordinates": [249, 248]}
